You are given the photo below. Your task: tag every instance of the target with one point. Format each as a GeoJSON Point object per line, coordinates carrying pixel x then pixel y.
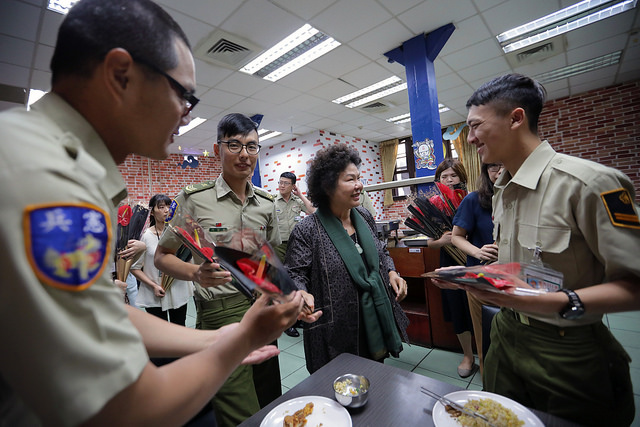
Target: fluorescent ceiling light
{"type": "Point", "coordinates": [404, 118]}
{"type": "Point", "coordinates": [359, 93]}
{"type": "Point", "coordinates": [568, 19]}
{"type": "Point", "coordinates": [192, 124]}
{"type": "Point", "coordinates": [579, 68]}
{"type": "Point", "coordinates": [377, 95]}
{"type": "Point", "coordinates": [265, 134]}
{"type": "Point", "coordinates": [61, 6]}
{"type": "Point", "coordinates": [295, 51]}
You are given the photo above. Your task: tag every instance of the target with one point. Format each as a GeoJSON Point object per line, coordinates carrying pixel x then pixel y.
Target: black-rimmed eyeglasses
{"type": "Point", "coordinates": [187, 95]}
{"type": "Point", "coordinates": [236, 146]}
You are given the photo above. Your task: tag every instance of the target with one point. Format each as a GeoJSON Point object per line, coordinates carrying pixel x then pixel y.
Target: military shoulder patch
{"type": "Point", "coordinates": [67, 244]}
{"type": "Point", "coordinates": [620, 208]}
{"type": "Point", "coordinates": [266, 195]}
{"type": "Point", "coordinates": [194, 188]}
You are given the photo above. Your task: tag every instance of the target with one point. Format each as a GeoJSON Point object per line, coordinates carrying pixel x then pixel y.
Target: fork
{"type": "Point", "coordinates": [458, 407]}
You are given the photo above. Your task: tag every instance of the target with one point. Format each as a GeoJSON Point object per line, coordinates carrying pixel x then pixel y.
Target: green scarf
{"type": "Point", "coordinates": [380, 327]}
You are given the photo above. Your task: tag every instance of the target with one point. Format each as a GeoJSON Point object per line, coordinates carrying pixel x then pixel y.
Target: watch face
{"type": "Point", "coordinates": [572, 313]}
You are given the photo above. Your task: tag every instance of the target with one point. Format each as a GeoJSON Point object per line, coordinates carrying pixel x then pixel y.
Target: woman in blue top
{"type": "Point", "coordinates": [473, 234]}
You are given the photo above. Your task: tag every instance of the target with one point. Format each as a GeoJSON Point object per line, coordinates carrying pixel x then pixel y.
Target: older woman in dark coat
{"type": "Point", "coordinates": [336, 259]}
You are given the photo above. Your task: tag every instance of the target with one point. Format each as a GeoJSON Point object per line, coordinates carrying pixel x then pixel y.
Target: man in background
{"type": "Point", "coordinates": [289, 203]}
{"type": "Point", "coordinates": [73, 353]}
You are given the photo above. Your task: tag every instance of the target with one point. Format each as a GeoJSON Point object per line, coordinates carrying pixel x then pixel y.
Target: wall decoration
{"type": "Point", "coordinates": [189, 161]}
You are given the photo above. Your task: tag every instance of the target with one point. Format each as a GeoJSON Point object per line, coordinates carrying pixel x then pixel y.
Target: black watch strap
{"type": "Point", "coordinates": [575, 308]}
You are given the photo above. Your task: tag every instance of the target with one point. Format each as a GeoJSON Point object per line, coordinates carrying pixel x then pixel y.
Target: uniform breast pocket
{"type": "Point", "coordinates": [553, 241]}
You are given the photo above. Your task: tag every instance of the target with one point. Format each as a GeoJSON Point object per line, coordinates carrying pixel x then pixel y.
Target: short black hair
{"type": "Point", "coordinates": [92, 28]}
{"type": "Point", "coordinates": [156, 199]}
{"type": "Point", "coordinates": [289, 175]}
{"type": "Point", "coordinates": [511, 91]}
{"type": "Point", "coordinates": [323, 173]}
{"type": "Point", "coordinates": [235, 124]}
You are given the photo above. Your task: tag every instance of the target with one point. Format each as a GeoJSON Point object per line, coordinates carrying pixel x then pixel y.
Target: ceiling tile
{"type": "Point", "coordinates": [262, 22]}
{"type": "Point", "coordinates": [19, 19]}
{"type": "Point", "coordinates": [16, 51]}
{"type": "Point", "coordinates": [219, 98]}
{"type": "Point", "coordinates": [13, 75]}
{"type": "Point", "coordinates": [43, 57]}
{"type": "Point", "coordinates": [211, 12]}
{"type": "Point", "coordinates": [243, 84]}
{"type": "Point", "coordinates": [433, 14]}
{"type": "Point", "coordinates": [469, 29]}
{"type": "Point", "coordinates": [485, 70]}
{"type": "Point", "coordinates": [478, 52]}
{"type": "Point", "coordinates": [346, 20]}
{"type": "Point", "coordinates": [339, 61]}
{"type": "Point", "coordinates": [381, 39]}
{"type": "Point", "coordinates": [304, 9]}
{"type": "Point", "coordinates": [398, 6]}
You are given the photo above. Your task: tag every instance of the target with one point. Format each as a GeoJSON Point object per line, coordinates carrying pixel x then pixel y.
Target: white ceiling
{"type": "Point", "coordinates": [300, 103]}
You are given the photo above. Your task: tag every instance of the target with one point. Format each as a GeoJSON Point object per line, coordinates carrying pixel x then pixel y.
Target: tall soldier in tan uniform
{"type": "Point", "coordinates": [289, 203]}
{"type": "Point", "coordinates": [72, 352]}
{"type": "Point", "coordinates": [552, 352]}
{"type": "Point", "coordinates": [228, 204]}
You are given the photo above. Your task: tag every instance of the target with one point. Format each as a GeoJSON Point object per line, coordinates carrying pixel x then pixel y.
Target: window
{"type": "Point", "coordinates": [406, 165]}
{"type": "Point", "coordinates": [405, 168]}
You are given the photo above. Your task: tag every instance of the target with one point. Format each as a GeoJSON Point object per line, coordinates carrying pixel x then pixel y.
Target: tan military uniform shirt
{"type": "Point", "coordinates": [67, 348]}
{"type": "Point", "coordinates": [219, 211]}
{"type": "Point", "coordinates": [288, 214]}
{"type": "Point", "coordinates": [555, 202]}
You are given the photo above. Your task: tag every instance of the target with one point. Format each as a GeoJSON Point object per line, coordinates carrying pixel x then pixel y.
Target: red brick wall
{"type": "Point", "coordinates": [146, 177]}
{"type": "Point", "coordinates": [602, 125]}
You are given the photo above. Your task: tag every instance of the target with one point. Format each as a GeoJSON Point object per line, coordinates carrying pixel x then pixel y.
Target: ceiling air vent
{"type": "Point", "coordinates": [375, 107]}
{"type": "Point", "coordinates": [226, 50]}
{"type": "Point", "coordinates": [537, 52]}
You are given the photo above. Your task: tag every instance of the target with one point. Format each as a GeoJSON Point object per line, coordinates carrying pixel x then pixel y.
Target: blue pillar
{"type": "Point", "coordinates": [417, 55]}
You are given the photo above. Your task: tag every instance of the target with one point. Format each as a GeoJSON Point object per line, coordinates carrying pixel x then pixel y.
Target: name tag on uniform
{"type": "Point", "coordinates": [67, 244]}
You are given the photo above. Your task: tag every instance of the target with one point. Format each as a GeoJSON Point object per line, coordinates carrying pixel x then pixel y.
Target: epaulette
{"type": "Point", "coordinates": [261, 192]}
{"type": "Point", "coordinates": [194, 188]}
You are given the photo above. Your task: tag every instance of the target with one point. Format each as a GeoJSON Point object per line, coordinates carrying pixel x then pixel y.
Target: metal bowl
{"type": "Point", "coordinates": [351, 390]}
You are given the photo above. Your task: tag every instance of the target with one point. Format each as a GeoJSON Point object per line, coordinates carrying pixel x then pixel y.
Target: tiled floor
{"type": "Point", "coordinates": [441, 365]}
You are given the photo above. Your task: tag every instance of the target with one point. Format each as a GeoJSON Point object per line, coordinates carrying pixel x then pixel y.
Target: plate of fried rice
{"type": "Point", "coordinates": [501, 410]}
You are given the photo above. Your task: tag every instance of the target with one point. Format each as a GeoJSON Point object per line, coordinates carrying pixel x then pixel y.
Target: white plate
{"type": "Point", "coordinates": [326, 412]}
{"type": "Point", "coordinates": [442, 419]}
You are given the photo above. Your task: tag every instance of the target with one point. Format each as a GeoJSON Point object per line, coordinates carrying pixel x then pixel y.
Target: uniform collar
{"type": "Point", "coordinates": [84, 135]}
{"type": "Point", "coordinates": [291, 197]}
{"type": "Point", "coordinates": [223, 189]}
{"type": "Point", "coordinates": [531, 169]}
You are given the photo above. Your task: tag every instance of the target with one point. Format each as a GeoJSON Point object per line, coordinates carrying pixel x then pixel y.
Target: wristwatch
{"type": "Point", "coordinates": [575, 308]}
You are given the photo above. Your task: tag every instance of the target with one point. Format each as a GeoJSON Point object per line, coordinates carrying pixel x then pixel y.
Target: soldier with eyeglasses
{"type": "Point", "coordinates": [223, 206]}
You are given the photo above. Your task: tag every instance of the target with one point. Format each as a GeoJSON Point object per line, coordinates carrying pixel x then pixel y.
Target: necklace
{"type": "Point", "coordinates": [358, 247]}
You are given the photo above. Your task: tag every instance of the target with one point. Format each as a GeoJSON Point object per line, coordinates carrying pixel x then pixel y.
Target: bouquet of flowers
{"type": "Point", "coordinates": [534, 279]}
{"type": "Point", "coordinates": [165, 280]}
{"type": "Point", "coordinates": [433, 216]}
{"type": "Point", "coordinates": [130, 225]}
{"type": "Point", "coordinates": [254, 265]}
